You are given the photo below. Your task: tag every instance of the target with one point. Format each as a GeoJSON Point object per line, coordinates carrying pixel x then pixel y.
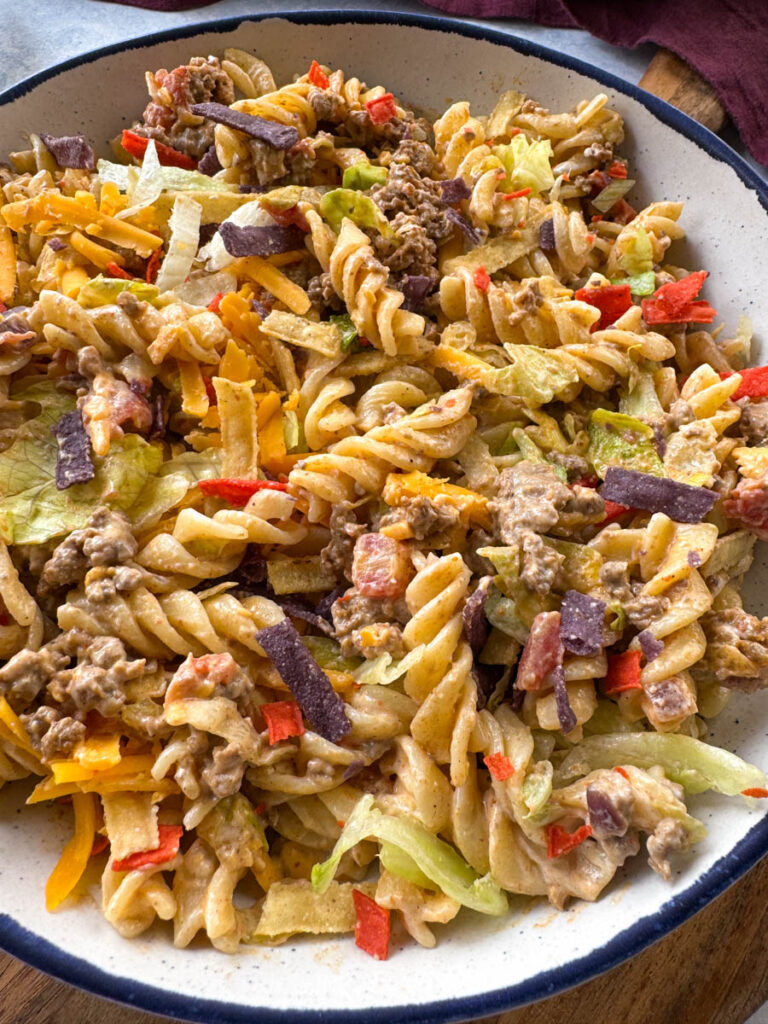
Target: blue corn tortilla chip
{"type": "Point", "coordinates": [581, 623]}
{"type": "Point", "coordinates": [74, 464]}
{"type": "Point", "coordinates": [278, 135]}
{"type": "Point", "coordinates": [415, 288]}
{"type": "Point", "coordinates": [70, 151]}
{"type": "Point", "coordinates": [547, 236]}
{"type": "Point", "coordinates": [682, 502]}
{"type": "Point", "coordinates": [649, 645]}
{"type": "Point", "coordinates": [565, 713]}
{"type": "Point", "coordinates": [473, 616]}
{"type": "Point", "coordinates": [310, 686]}
{"type": "Point", "coordinates": [56, 244]}
{"type": "Point", "coordinates": [209, 162]}
{"type": "Point", "coordinates": [454, 190]}
{"type": "Point", "coordinates": [694, 559]}
{"type": "Point", "coordinates": [298, 609]}
{"type": "Point", "coordinates": [267, 240]}
{"type": "Point", "coordinates": [463, 223]}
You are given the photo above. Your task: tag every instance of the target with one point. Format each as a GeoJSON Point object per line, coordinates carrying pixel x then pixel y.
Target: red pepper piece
{"type": "Point", "coordinates": [317, 76]}
{"type": "Point", "coordinates": [617, 169]}
{"type": "Point", "coordinates": [213, 305]}
{"type": "Point", "coordinates": [210, 390]}
{"type": "Point", "coordinates": [517, 195]}
{"type": "Point", "coordinates": [287, 217]}
{"type": "Point", "coordinates": [673, 303]}
{"type": "Point", "coordinates": [283, 718]}
{"type": "Point", "coordinates": [153, 265]}
{"type": "Point", "coordinates": [136, 146]}
{"type": "Point", "coordinates": [754, 382]}
{"type": "Point", "coordinates": [170, 837]}
{"type": "Point", "coordinates": [237, 492]}
{"type": "Point", "coordinates": [560, 842]}
{"type": "Point", "coordinates": [382, 108]}
{"type": "Point", "coordinates": [499, 766]}
{"type": "Point", "coordinates": [116, 271]}
{"type": "Point", "coordinates": [613, 510]}
{"type": "Point", "coordinates": [622, 771]}
{"type": "Point", "coordinates": [100, 843]}
{"type": "Point", "coordinates": [371, 926]}
{"type": "Point", "coordinates": [613, 301]}
{"type": "Point", "coordinates": [623, 673]}
{"type": "Point", "coordinates": [481, 279]}
{"type": "Point", "coordinates": [756, 791]}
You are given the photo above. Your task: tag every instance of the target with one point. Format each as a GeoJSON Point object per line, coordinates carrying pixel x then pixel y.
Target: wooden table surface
{"type": "Point", "coordinates": [713, 970]}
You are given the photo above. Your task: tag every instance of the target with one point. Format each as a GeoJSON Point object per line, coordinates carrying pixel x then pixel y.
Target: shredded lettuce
{"type": "Point", "coordinates": [291, 430]}
{"type": "Point", "coordinates": [637, 255]}
{"type": "Point", "coordinates": [171, 179]}
{"type": "Point", "coordinates": [518, 438]}
{"type": "Point", "coordinates": [347, 330]}
{"type": "Point", "coordinates": [527, 164]}
{"type": "Point", "coordinates": [616, 439]}
{"type": "Point", "coordinates": [612, 193]}
{"type": "Point", "coordinates": [439, 862]}
{"type": "Point", "coordinates": [697, 766]}
{"type": "Point", "coordinates": [537, 789]}
{"type": "Point", "coordinates": [345, 202]}
{"type": "Point", "coordinates": [148, 185]}
{"type": "Point", "coordinates": [327, 654]}
{"type": "Point", "coordinates": [536, 375]}
{"type": "Point", "coordinates": [639, 284]}
{"type": "Point", "coordinates": [182, 247]}
{"type": "Point", "coordinates": [102, 291]}
{"type": "Point", "coordinates": [384, 670]}
{"type": "Point", "coordinates": [201, 288]}
{"type": "Point", "coordinates": [399, 863]}
{"type": "Point", "coordinates": [363, 176]}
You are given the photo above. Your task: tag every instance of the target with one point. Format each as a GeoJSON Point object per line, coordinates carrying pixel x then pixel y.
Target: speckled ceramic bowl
{"type": "Point", "coordinates": [480, 966]}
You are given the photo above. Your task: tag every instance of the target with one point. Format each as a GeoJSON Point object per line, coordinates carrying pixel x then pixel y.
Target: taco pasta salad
{"type": "Point", "coordinates": [375, 497]}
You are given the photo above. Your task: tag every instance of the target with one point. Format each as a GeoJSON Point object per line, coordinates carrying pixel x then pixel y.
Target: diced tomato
{"type": "Point", "coordinates": [210, 390]}
{"type": "Point", "coordinates": [613, 301]}
{"type": "Point", "coordinates": [622, 771]}
{"type": "Point", "coordinates": [371, 926]}
{"type": "Point", "coordinates": [237, 492]}
{"type": "Point", "coordinates": [213, 305]}
{"type": "Point", "coordinates": [170, 837]}
{"type": "Point", "coordinates": [587, 481]}
{"type": "Point", "coordinates": [517, 195]}
{"type": "Point", "coordinates": [499, 766]}
{"type": "Point", "coordinates": [382, 108]}
{"type": "Point", "coordinates": [560, 842]}
{"type": "Point", "coordinates": [287, 217]}
{"type": "Point", "coordinates": [153, 265]}
{"type": "Point", "coordinates": [283, 718]}
{"type": "Point", "coordinates": [116, 271]}
{"type": "Point", "coordinates": [754, 382]}
{"type": "Point", "coordinates": [623, 673]}
{"type": "Point", "coordinates": [100, 843]}
{"type": "Point", "coordinates": [673, 303]}
{"type": "Point", "coordinates": [381, 566]}
{"type": "Point", "coordinates": [317, 76]}
{"type": "Point", "coordinates": [613, 510]}
{"type": "Point", "coordinates": [621, 212]}
{"type": "Point", "coordinates": [542, 654]}
{"type": "Point", "coordinates": [481, 279]}
{"type": "Point", "coordinates": [757, 792]}
{"type": "Point", "coordinates": [136, 146]}
{"type": "Point", "coordinates": [617, 169]}
{"type": "Point", "coordinates": [749, 504]}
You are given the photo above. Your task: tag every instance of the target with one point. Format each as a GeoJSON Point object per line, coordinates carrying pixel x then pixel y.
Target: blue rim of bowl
{"type": "Point", "coordinates": [24, 944]}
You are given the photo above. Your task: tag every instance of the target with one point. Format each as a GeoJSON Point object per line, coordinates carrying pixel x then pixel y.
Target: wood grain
{"type": "Point", "coordinates": [712, 970]}
{"type": "Point", "coordinates": [672, 79]}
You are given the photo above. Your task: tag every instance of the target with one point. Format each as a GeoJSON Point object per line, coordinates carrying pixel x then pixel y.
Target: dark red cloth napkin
{"type": "Point", "coordinates": [726, 41]}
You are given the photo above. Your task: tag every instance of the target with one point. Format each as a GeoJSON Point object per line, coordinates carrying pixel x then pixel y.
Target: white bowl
{"type": "Point", "coordinates": [481, 966]}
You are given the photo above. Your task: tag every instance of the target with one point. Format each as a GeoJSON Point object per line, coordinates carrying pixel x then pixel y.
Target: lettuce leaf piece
{"type": "Point", "coordinates": [363, 176]}
{"type": "Point", "coordinates": [102, 291]}
{"type": "Point", "coordinates": [345, 202]}
{"type": "Point", "coordinates": [327, 654]}
{"type": "Point", "coordinates": [384, 670]}
{"type": "Point", "coordinates": [526, 164]}
{"type": "Point", "coordinates": [441, 863]}
{"type": "Point", "coordinates": [637, 255]}
{"type": "Point", "coordinates": [639, 284]}
{"type": "Point", "coordinates": [170, 178]}
{"type": "Point", "coordinates": [501, 612]}
{"type": "Point", "coordinates": [131, 477]}
{"type": "Point", "coordinates": [581, 564]}
{"type": "Point", "coordinates": [347, 330]}
{"type": "Point", "coordinates": [399, 863]}
{"type": "Point", "coordinates": [536, 375]}
{"type": "Point", "coordinates": [519, 440]}
{"type": "Point", "coordinates": [607, 718]}
{"type": "Point", "coordinates": [616, 439]}
{"type": "Point", "coordinates": [697, 766]}
{"type": "Point", "coordinates": [642, 401]}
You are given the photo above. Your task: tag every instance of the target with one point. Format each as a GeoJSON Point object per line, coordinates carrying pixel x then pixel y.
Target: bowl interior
{"type": "Point", "coordinates": [534, 950]}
